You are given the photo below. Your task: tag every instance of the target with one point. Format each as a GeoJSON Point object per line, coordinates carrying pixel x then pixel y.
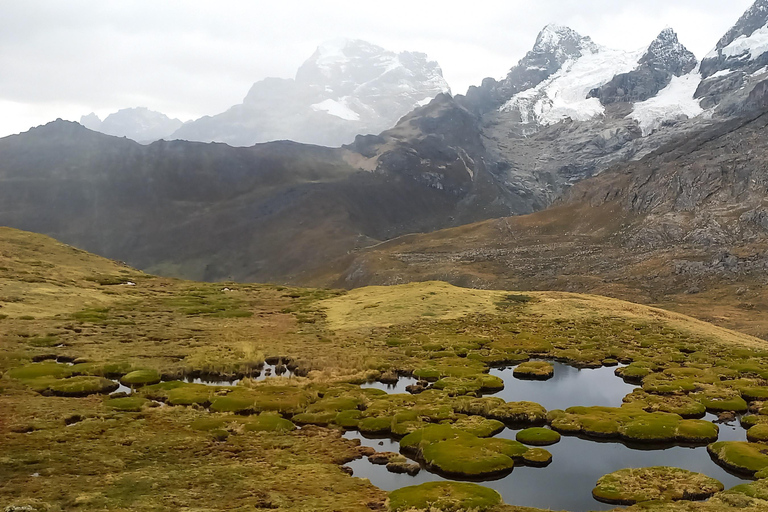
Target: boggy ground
{"type": "Point", "coordinates": [72, 323]}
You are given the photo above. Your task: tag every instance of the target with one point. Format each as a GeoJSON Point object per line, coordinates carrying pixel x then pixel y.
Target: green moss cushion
{"type": "Point", "coordinates": [446, 496]}
{"type": "Point", "coordinates": [739, 456]}
{"type": "Point", "coordinates": [141, 378]}
{"type": "Point", "coordinates": [538, 436]}
{"type": "Point", "coordinates": [630, 486]}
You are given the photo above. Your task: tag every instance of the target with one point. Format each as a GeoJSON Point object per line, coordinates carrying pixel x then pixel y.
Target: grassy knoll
{"type": "Point", "coordinates": [72, 325]}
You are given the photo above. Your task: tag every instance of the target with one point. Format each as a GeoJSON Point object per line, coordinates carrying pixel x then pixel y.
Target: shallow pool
{"type": "Point", "coordinates": [578, 463]}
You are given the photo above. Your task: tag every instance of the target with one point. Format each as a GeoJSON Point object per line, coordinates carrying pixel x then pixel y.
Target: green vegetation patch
{"type": "Point", "coordinates": [81, 386]}
{"type": "Point", "coordinates": [483, 383]}
{"type": "Point", "coordinates": [38, 370]}
{"type": "Point", "coordinates": [138, 378]}
{"type": "Point", "coordinates": [126, 404]}
{"type": "Point", "coordinates": [682, 405]}
{"type": "Point", "coordinates": [630, 486]}
{"type": "Point", "coordinates": [538, 436]}
{"type": "Point", "coordinates": [739, 456]}
{"type": "Point", "coordinates": [632, 423]}
{"type": "Point", "coordinates": [758, 433]}
{"type": "Point", "coordinates": [479, 426]}
{"type": "Point", "coordinates": [521, 413]}
{"type": "Point", "coordinates": [445, 496]}
{"type": "Point", "coordinates": [534, 370]}
{"type": "Point", "coordinates": [454, 452]}
{"type": "Point", "coordinates": [267, 422]}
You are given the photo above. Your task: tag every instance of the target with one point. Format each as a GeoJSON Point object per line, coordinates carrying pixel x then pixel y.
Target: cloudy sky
{"type": "Point", "coordinates": [189, 58]}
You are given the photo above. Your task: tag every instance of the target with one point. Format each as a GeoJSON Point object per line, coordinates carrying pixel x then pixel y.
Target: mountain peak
{"type": "Point", "coordinates": [563, 41]}
{"type": "Point", "coordinates": [668, 54]}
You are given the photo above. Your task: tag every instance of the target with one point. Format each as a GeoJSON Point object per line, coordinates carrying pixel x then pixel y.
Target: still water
{"type": "Point", "coordinates": [578, 463]}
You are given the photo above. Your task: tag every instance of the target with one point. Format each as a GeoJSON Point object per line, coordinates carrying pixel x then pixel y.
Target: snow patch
{"type": "Point", "coordinates": [564, 94]}
{"type": "Point", "coordinates": [337, 108]}
{"type": "Point", "coordinates": [426, 101]}
{"type": "Point", "coordinates": [755, 45]}
{"type": "Point", "coordinates": [674, 101]}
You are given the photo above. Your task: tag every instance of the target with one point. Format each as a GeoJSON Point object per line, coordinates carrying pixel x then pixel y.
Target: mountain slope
{"type": "Point", "coordinates": [210, 211]}
{"type": "Point", "coordinates": [347, 87]}
{"type": "Point", "coordinates": [686, 227]}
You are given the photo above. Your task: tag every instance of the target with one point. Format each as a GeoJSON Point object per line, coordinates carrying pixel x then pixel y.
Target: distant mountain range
{"type": "Point", "coordinates": [347, 87]}
{"type": "Point", "coordinates": [653, 134]}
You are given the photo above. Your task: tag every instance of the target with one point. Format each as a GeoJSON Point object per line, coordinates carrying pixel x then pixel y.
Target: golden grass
{"type": "Point", "coordinates": [382, 306]}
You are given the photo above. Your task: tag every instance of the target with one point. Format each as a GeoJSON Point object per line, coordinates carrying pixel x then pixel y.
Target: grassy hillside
{"type": "Point", "coordinates": [71, 323]}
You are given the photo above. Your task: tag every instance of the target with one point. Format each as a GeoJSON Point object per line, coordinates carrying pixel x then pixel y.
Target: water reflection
{"type": "Point", "coordinates": [578, 463]}
{"type": "Point", "coordinates": [392, 389]}
{"type": "Point", "coordinates": [569, 387]}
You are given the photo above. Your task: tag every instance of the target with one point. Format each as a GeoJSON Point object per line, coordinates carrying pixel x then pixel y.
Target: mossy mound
{"type": "Point", "coordinates": [457, 386]}
{"type": "Point", "coordinates": [126, 404]}
{"type": "Point", "coordinates": [454, 452]}
{"type": "Point", "coordinates": [724, 404]}
{"type": "Point", "coordinates": [479, 426]}
{"type": "Point", "coordinates": [534, 370]}
{"type": "Point", "coordinates": [739, 456]}
{"type": "Point", "coordinates": [445, 496]}
{"type": "Point", "coordinates": [377, 425]}
{"type": "Point", "coordinates": [754, 393]}
{"type": "Point", "coordinates": [635, 372]}
{"type": "Point", "coordinates": [81, 386]}
{"type": "Point", "coordinates": [758, 433]}
{"type": "Point", "coordinates": [266, 422]}
{"type": "Point", "coordinates": [682, 405]}
{"type": "Point", "coordinates": [538, 436]}
{"type": "Point", "coordinates": [139, 378]}
{"type": "Point", "coordinates": [631, 423]}
{"type": "Point", "coordinates": [436, 369]}
{"type": "Point", "coordinates": [522, 413]}
{"type": "Point", "coordinates": [630, 486]}
{"type": "Point", "coordinates": [281, 399]}
{"type": "Point", "coordinates": [750, 420]}
{"type": "Point", "coordinates": [468, 457]}
{"type": "Point", "coordinates": [39, 370]}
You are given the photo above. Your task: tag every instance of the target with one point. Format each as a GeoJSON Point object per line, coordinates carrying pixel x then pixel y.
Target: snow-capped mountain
{"type": "Point", "coordinates": [738, 61]}
{"type": "Point", "coordinates": [347, 87]}
{"type": "Point", "coordinates": [595, 76]}
{"type": "Point", "coordinates": [139, 124]}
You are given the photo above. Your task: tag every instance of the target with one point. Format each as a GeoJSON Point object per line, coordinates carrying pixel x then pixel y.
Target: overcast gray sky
{"type": "Point", "coordinates": [189, 58]}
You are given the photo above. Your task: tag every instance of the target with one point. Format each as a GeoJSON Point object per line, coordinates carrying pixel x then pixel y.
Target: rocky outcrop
{"type": "Point", "coordinates": [665, 58]}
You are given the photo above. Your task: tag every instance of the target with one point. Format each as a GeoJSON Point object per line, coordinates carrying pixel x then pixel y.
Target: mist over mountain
{"type": "Point", "coordinates": [139, 124]}
{"type": "Point", "coordinates": [347, 87]}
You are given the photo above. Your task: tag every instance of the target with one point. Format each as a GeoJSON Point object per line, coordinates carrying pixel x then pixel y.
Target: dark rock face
{"type": "Point", "coordinates": [728, 68]}
{"type": "Point", "coordinates": [665, 58]}
{"type": "Point", "coordinates": [754, 19]}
